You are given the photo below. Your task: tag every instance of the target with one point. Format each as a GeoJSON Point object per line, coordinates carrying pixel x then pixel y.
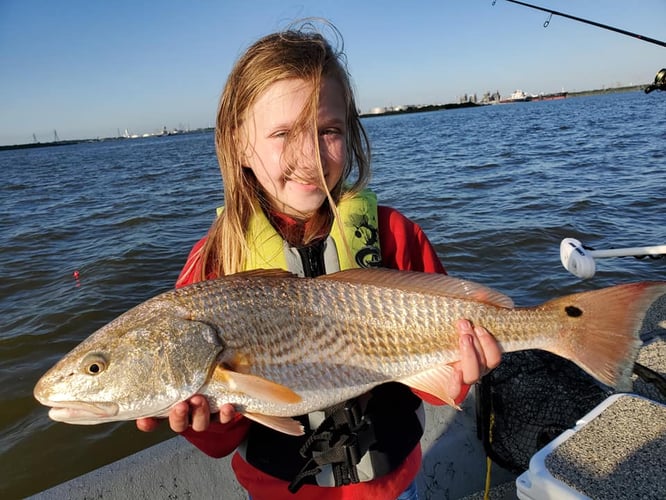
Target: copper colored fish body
{"type": "Point", "coordinates": [277, 346]}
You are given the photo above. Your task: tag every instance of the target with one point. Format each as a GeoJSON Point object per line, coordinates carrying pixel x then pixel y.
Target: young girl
{"type": "Point", "coordinates": [288, 140]}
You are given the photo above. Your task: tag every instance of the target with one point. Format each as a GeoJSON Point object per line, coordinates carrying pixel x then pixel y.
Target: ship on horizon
{"type": "Point", "coordinates": [520, 96]}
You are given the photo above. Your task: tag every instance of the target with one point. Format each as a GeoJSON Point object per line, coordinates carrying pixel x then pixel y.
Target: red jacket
{"type": "Point", "coordinates": [403, 246]}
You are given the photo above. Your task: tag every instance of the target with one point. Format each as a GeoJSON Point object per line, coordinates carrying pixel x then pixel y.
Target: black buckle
{"type": "Point", "coordinates": [353, 415]}
{"type": "Point", "coordinates": [357, 444]}
{"type": "Point", "coordinates": [352, 450]}
{"type": "Point", "coordinates": [348, 436]}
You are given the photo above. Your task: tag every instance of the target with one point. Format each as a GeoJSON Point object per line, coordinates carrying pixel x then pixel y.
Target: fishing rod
{"type": "Point", "coordinates": [579, 260]}
{"type": "Point", "coordinates": [587, 21]}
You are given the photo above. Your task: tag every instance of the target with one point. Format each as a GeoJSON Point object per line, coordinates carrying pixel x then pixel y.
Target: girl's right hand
{"type": "Point", "coordinates": [194, 412]}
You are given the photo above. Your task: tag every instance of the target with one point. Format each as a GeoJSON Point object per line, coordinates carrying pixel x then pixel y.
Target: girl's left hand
{"type": "Point", "coordinates": [479, 352]}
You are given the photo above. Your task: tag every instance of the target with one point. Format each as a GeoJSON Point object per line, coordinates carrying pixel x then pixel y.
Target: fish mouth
{"type": "Point", "coordinates": [78, 412]}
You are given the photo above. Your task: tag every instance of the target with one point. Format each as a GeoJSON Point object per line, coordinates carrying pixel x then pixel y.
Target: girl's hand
{"type": "Point", "coordinates": [479, 352]}
{"type": "Point", "coordinates": [195, 412]}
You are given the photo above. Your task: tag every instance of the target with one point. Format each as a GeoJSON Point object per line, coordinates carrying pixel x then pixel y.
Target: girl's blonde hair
{"type": "Point", "coordinates": [299, 53]}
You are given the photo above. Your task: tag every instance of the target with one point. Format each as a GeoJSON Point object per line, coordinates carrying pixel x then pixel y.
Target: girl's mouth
{"type": "Point", "coordinates": [301, 184]}
{"type": "Point", "coordinates": [306, 183]}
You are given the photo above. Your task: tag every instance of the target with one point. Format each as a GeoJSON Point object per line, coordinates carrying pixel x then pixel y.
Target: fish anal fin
{"type": "Point", "coordinates": [434, 381]}
{"type": "Point", "coordinates": [426, 283]}
{"type": "Point", "coordinates": [254, 386]}
{"type": "Point", "coordinates": [286, 425]}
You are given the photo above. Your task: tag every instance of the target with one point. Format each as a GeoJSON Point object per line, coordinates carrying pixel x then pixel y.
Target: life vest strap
{"type": "Point", "coordinates": [341, 440]}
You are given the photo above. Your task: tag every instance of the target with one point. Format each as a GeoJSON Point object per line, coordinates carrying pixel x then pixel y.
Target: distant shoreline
{"type": "Point", "coordinates": [612, 90]}
{"type": "Point", "coordinates": [437, 107]}
{"type": "Point", "coordinates": [104, 139]}
{"type": "Point", "coordinates": [423, 109]}
{"type": "Point", "coordinates": [420, 109]}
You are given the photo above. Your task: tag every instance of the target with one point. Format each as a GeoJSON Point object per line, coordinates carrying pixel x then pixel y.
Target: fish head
{"type": "Point", "coordinates": [139, 365]}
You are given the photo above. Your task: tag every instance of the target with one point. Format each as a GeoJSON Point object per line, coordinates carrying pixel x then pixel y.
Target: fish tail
{"type": "Point", "coordinates": [601, 332]}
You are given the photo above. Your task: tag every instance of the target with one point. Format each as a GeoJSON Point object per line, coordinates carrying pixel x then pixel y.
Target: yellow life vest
{"type": "Point", "coordinates": [353, 241]}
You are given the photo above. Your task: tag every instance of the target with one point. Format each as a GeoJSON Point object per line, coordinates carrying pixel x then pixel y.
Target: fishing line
{"type": "Point", "coordinates": [587, 21]}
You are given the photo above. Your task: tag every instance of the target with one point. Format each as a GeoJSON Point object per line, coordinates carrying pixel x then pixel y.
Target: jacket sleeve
{"type": "Point", "coordinates": [405, 246]}
{"type": "Point", "coordinates": [219, 439]}
{"type": "Point", "coordinates": [192, 268]}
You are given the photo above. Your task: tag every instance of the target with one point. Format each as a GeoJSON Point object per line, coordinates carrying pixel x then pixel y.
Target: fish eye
{"type": "Point", "coordinates": [94, 364]}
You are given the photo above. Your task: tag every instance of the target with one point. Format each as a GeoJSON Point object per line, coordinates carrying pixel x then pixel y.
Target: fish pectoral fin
{"type": "Point", "coordinates": [286, 425]}
{"type": "Point", "coordinates": [254, 386]}
{"type": "Point", "coordinates": [434, 381]}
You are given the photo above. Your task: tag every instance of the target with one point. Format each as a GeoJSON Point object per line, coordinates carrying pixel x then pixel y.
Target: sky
{"type": "Point", "coordinates": [88, 69]}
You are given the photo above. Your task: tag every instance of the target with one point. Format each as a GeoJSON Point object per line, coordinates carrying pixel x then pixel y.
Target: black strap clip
{"type": "Point", "coordinates": [341, 440]}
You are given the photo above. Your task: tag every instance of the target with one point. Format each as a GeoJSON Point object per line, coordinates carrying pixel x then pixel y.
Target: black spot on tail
{"type": "Point", "coordinates": [573, 311]}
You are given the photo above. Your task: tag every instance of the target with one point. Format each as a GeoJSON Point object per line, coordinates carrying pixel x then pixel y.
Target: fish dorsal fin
{"type": "Point", "coordinates": [256, 387]}
{"type": "Point", "coordinates": [265, 273]}
{"type": "Point", "coordinates": [286, 425]}
{"type": "Point", "coordinates": [434, 381]}
{"type": "Point", "coordinates": [429, 283]}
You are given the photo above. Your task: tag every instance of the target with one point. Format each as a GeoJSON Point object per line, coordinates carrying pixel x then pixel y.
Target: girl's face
{"type": "Point", "coordinates": [295, 187]}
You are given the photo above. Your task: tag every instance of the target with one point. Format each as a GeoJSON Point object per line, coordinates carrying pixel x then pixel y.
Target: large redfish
{"type": "Point", "coordinates": [276, 346]}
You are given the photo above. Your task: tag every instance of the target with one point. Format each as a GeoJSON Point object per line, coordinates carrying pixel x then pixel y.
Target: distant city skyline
{"type": "Point", "coordinates": [83, 69]}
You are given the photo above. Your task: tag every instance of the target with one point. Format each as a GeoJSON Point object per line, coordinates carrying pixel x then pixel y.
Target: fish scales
{"type": "Point", "coordinates": [354, 337]}
{"type": "Point", "coordinates": [355, 326]}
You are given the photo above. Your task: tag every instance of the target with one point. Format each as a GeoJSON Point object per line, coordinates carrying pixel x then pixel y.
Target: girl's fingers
{"type": "Point", "coordinates": [479, 351]}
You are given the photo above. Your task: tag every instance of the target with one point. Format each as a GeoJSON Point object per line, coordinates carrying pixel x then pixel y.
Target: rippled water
{"type": "Point", "coordinates": [496, 189]}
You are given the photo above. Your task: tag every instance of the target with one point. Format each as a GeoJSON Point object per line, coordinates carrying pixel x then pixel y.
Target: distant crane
{"type": "Point", "coordinates": [55, 136]}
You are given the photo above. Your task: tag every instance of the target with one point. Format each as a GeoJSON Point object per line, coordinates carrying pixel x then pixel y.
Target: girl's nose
{"type": "Point", "coordinates": [308, 148]}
